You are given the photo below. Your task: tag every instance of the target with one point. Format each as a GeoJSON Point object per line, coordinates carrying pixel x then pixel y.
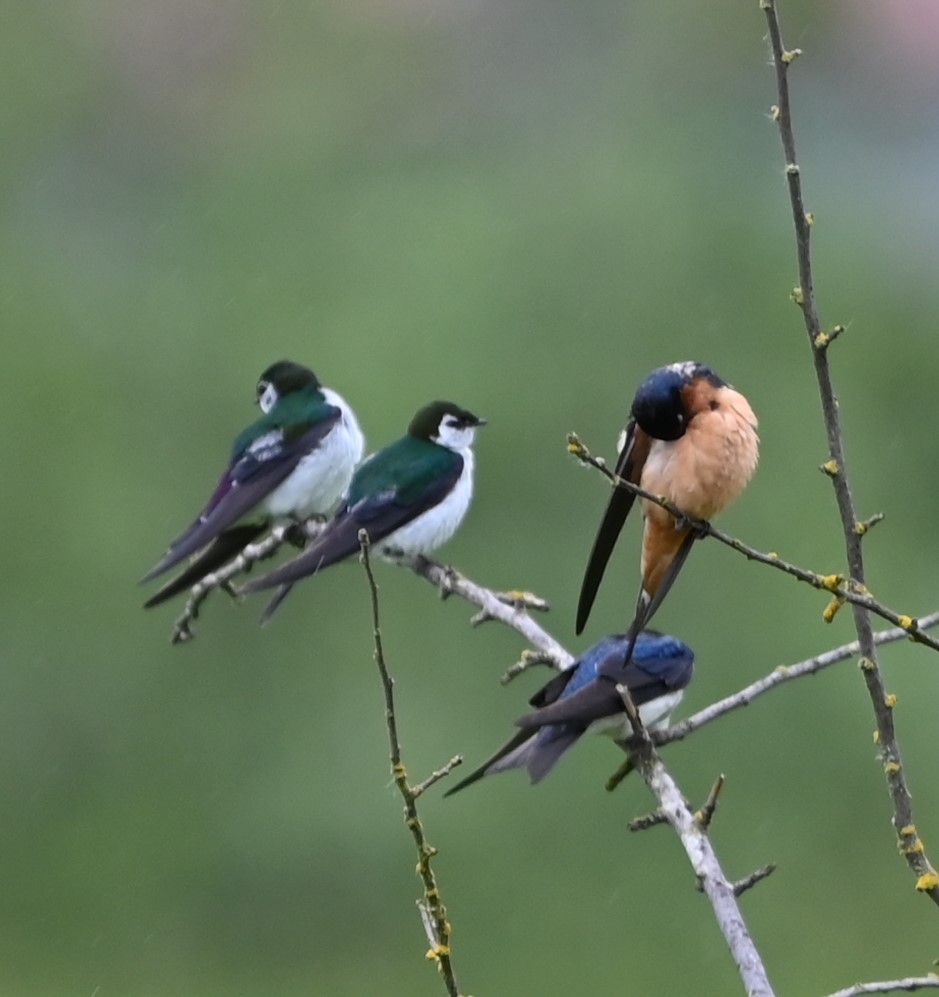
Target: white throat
{"type": "Point", "coordinates": [454, 437]}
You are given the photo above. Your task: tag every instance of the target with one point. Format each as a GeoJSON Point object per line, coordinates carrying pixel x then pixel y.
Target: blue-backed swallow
{"type": "Point", "coordinates": [584, 698]}
{"type": "Point", "coordinates": [295, 461]}
{"type": "Point", "coordinates": [410, 497]}
{"type": "Point", "coordinates": [691, 439]}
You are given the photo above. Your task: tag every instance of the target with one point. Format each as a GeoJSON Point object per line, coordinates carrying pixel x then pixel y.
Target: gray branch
{"type": "Point", "coordinates": [890, 986]}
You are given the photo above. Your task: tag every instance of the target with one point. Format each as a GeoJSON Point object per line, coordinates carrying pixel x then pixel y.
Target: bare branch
{"type": "Point", "coordinates": [436, 776]}
{"type": "Point", "coordinates": [844, 589]}
{"type": "Point", "coordinates": [705, 815]}
{"type": "Point", "coordinates": [643, 823]}
{"type": "Point", "coordinates": [784, 673]}
{"type": "Point", "coordinates": [496, 606]}
{"type": "Point", "coordinates": [757, 876]}
{"type": "Point", "coordinates": [432, 911]}
{"type": "Point", "coordinates": [890, 986]}
{"type": "Point", "coordinates": [927, 880]}
{"type": "Point", "coordinates": [718, 889]}
{"type": "Point", "coordinates": [529, 659]}
{"type": "Point", "coordinates": [221, 579]}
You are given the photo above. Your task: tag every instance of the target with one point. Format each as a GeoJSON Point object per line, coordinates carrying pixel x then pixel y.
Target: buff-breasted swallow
{"type": "Point", "coordinates": [293, 462]}
{"type": "Point", "coordinates": [691, 439]}
{"type": "Point", "coordinates": [584, 699]}
{"type": "Point", "coordinates": [410, 497]}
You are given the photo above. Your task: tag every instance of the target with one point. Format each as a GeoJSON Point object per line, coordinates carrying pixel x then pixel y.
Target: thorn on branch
{"type": "Point", "coordinates": [619, 775]}
{"type": "Point", "coordinates": [529, 659]}
{"type": "Point", "coordinates": [705, 815]}
{"type": "Point", "coordinates": [864, 526]}
{"type": "Point", "coordinates": [643, 823]}
{"type": "Point", "coordinates": [758, 875]}
{"type": "Point", "coordinates": [824, 339]}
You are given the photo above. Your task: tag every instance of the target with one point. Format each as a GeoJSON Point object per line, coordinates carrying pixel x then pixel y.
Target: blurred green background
{"type": "Point", "coordinates": [524, 207]}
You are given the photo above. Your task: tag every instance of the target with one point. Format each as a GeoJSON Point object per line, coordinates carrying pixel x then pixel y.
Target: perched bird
{"type": "Point", "coordinates": [295, 461]}
{"type": "Point", "coordinates": [583, 699]}
{"type": "Point", "coordinates": [691, 439]}
{"type": "Point", "coordinates": [410, 497]}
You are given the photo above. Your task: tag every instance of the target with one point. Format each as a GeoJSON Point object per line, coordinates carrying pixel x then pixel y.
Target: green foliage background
{"type": "Point", "coordinates": [524, 207]}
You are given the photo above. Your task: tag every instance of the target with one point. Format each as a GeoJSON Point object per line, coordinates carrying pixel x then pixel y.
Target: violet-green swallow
{"type": "Point", "coordinates": [583, 699]}
{"type": "Point", "coordinates": [295, 461]}
{"type": "Point", "coordinates": [410, 497]}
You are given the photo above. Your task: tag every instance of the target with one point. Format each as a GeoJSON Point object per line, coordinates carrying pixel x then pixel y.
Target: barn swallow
{"type": "Point", "coordinates": [691, 439]}
{"type": "Point", "coordinates": [410, 497]}
{"type": "Point", "coordinates": [295, 461]}
{"type": "Point", "coordinates": [583, 699]}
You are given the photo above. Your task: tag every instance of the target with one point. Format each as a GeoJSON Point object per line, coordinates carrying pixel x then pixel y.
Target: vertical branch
{"type": "Point", "coordinates": [432, 911]}
{"type": "Point", "coordinates": [911, 844]}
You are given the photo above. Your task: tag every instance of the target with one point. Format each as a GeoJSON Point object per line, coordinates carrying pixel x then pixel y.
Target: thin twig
{"type": "Point", "coordinates": [643, 823]}
{"type": "Point", "coordinates": [890, 986]}
{"type": "Point", "coordinates": [436, 776]}
{"type": "Point", "coordinates": [845, 589]}
{"type": "Point", "coordinates": [784, 673]}
{"type": "Point", "coordinates": [927, 880]}
{"type": "Point", "coordinates": [757, 876]}
{"type": "Point", "coordinates": [705, 815]}
{"type": "Point", "coordinates": [433, 912]}
{"type": "Point", "coordinates": [528, 659]}
{"type": "Point", "coordinates": [221, 579]}
{"type": "Point", "coordinates": [495, 606]}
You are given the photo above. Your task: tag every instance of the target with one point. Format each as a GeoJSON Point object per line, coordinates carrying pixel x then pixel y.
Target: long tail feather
{"type": "Point", "coordinates": [225, 546]}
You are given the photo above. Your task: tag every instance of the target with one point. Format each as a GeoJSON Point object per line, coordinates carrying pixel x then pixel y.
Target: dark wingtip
{"type": "Point", "coordinates": [583, 614]}
{"type": "Point", "coordinates": [157, 569]}
{"type": "Point", "coordinates": [468, 781]}
{"type": "Point", "coordinates": [271, 608]}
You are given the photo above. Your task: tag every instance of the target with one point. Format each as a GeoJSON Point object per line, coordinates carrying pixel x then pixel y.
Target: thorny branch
{"type": "Point", "coordinates": [433, 913]}
{"type": "Point", "coordinates": [911, 845]}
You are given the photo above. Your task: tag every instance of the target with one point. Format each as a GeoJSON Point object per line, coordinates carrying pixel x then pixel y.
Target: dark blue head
{"type": "Point", "coordinates": [660, 408]}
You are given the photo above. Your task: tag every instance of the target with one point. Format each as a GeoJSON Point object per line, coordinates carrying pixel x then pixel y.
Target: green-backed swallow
{"type": "Point", "coordinates": [410, 497]}
{"type": "Point", "coordinates": [295, 461]}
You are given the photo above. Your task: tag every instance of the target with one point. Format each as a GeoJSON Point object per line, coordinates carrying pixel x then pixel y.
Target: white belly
{"type": "Point", "coordinates": [321, 478]}
{"type": "Point", "coordinates": [435, 527]}
{"type": "Point", "coordinates": [654, 716]}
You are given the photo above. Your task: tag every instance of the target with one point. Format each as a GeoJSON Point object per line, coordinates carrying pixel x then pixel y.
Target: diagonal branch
{"type": "Point", "coordinates": [784, 673]}
{"type": "Point", "coordinates": [713, 882]}
{"type": "Point", "coordinates": [911, 844]}
{"type": "Point", "coordinates": [908, 985]}
{"type": "Point", "coordinates": [842, 589]}
{"type": "Point", "coordinates": [221, 579]}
